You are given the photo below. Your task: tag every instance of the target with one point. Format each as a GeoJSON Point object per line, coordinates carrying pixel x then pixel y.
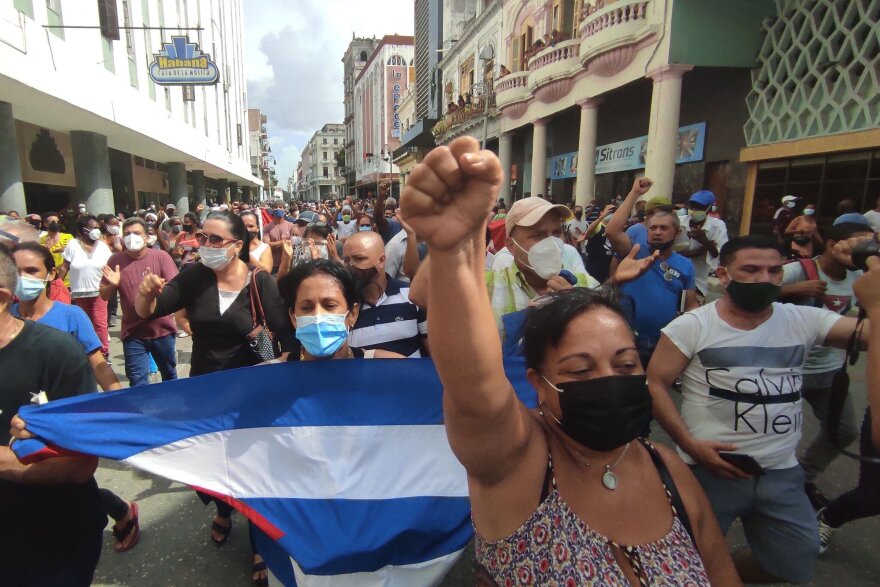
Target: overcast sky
{"type": "Point", "coordinates": [293, 57]}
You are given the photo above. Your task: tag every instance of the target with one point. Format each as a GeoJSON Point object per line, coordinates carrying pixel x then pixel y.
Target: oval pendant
{"type": "Point", "coordinates": [609, 480]}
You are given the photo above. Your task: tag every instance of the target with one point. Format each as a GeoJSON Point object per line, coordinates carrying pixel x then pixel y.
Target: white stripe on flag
{"type": "Point", "coordinates": [314, 462]}
{"type": "Point", "coordinates": [425, 574]}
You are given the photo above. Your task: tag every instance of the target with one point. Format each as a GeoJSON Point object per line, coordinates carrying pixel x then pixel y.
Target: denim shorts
{"type": "Point", "coordinates": [779, 523]}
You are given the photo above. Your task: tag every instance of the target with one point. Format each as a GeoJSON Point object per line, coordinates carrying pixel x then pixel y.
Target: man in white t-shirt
{"type": "Point", "coordinates": [873, 216]}
{"type": "Point", "coordinates": [741, 361]}
{"type": "Point", "coordinates": [576, 227]}
{"type": "Point", "coordinates": [347, 225]}
{"type": "Point", "coordinates": [705, 234]}
{"type": "Point", "coordinates": [825, 282]}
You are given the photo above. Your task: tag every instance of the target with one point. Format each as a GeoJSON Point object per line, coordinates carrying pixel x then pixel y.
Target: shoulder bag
{"type": "Point", "coordinates": [261, 339]}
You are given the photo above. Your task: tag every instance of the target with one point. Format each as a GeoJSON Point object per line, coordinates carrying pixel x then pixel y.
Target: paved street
{"type": "Point", "coordinates": [176, 549]}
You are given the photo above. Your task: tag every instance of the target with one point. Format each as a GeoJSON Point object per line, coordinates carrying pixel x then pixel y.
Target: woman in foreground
{"type": "Point", "coordinates": [566, 494]}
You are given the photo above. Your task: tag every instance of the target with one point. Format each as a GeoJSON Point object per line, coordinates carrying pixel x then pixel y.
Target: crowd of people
{"type": "Point", "coordinates": [616, 309]}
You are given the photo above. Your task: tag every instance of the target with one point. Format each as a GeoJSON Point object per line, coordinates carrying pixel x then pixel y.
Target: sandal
{"type": "Point", "coordinates": [131, 529]}
{"type": "Point", "coordinates": [259, 568]}
{"type": "Point", "coordinates": [222, 530]}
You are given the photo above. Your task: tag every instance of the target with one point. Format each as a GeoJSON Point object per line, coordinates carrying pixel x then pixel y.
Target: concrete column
{"type": "Point", "coordinates": [222, 184]}
{"type": "Point", "coordinates": [11, 186]}
{"type": "Point", "coordinates": [233, 191]}
{"type": "Point", "coordinates": [177, 187]}
{"type": "Point", "coordinates": [199, 195]}
{"type": "Point", "coordinates": [663, 128]}
{"type": "Point", "coordinates": [539, 157]}
{"type": "Point", "coordinates": [91, 166]}
{"type": "Point", "coordinates": [585, 186]}
{"type": "Point", "coordinates": [505, 154]}
{"type": "Point", "coordinates": [246, 194]}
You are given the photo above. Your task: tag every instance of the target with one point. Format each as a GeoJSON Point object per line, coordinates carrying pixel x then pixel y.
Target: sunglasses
{"type": "Point", "coordinates": [667, 271]}
{"type": "Point", "coordinates": [212, 240]}
{"type": "Point", "coordinates": [318, 224]}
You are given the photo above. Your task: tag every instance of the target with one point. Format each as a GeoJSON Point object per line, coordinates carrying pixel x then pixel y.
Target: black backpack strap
{"type": "Point", "coordinates": [671, 489]}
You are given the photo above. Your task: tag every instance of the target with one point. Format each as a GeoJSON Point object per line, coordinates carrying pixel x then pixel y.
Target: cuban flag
{"type": "Point", "coordinates": [344, 466]}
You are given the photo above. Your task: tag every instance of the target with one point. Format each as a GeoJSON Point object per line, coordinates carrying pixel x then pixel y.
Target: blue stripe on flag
{"type": "Point", "coordinates": [319, 393]}
{"type": "Point", "coordinates": [376, 533]}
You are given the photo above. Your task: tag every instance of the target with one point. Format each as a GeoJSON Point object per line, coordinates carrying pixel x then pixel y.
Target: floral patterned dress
{"type": "Point", "coordinates": [554, 547]}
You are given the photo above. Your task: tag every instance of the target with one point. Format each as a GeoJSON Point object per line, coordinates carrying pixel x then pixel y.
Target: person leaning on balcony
{"type": "Point", "coordinates": [503, 71]}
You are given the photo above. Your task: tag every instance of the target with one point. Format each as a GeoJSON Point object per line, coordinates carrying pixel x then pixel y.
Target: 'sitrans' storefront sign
{"type": "Point", "coordinates": [181, 63]}
{"type": "Point", "coordinates": [630, 154]}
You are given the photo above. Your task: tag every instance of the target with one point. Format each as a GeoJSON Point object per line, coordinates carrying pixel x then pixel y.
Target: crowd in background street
{"type": "Point", "coordinates": [615, 306]}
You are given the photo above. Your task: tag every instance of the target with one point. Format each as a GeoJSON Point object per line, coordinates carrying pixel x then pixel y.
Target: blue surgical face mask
{"type": "Point", "coordinates": [29, 288]}
{"type": "Point", "coordinates": [278, 213]}
{"type": "Point", "coordinates": [323, 334]}
{"type": "Point", "coordinates": [365, 228]}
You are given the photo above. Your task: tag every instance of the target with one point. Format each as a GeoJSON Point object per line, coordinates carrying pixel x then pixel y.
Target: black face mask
{"type": "Point", "coordinates": [363, 277]}
{"type": "Point", "coordinates": [641, 214]}
{"type": "Point", "coordinates": [801, 240]}
{"type": "Point", "coordinates": [578, 215]}
{"type": "Point", "coordinates": [753, 297]}
{"type": "Point", "coordinates": [188, 227]}
{"type": "Point", "coordinates": [254, 234]}
{"type": "Point", "coordinates": [54, 227]}
{"type": "Point", "coordinates": [661, 247]}
{"type": "Point", "coordinates": [605, 413]}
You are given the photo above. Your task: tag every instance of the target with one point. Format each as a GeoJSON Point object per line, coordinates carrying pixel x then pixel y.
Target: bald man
{"type": "Point", "coordinates": [387, 320]}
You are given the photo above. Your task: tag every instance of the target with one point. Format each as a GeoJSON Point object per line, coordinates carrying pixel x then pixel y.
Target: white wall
{"type": "Point", "coordinates": [66, 83]}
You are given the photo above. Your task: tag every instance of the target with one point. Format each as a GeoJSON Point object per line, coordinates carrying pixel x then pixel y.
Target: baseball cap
{"type": "Point", "coordinates": [787, 199]}
{"type": "Point", "coordinates": [852, 217]}
{"type": "Point", "coordinates": [171, 206]}
{"type": "Point", "coordinates": [529, 211]}
{"type": "Point", "coordinates": [658, 202]}
{"type": "Point", "coordinates": [703, 198]}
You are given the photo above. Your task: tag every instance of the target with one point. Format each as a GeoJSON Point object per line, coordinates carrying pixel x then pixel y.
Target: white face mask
{"type": "Point", "coordinates": [215, 258]}
{"type": "Point", "coordinates": [809, 212]}
{"type": "Point", "coordinates": [151, 239]}
{"type": "Point", "coordinates": [133, 242]}
{"type": "Point", "coordinates": [95, 234]}
{"type": "Point", "coordinates": [789, 204]}
{"type": "Point", "coordinates": [545, 257]}
{"type": "Point", "coordinates": [112, 229]}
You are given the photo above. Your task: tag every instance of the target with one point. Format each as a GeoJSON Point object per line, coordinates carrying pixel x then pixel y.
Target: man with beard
{"type": "Point", "coordinates": [655, 298]}
{"type": "Point", "coordinates": [388, 320]}
{"type": "Point", "coordinates": [741, 363]}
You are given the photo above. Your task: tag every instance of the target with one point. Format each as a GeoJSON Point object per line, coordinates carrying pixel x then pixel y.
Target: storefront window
{"type": "Point", "coordinates": [823, 181]}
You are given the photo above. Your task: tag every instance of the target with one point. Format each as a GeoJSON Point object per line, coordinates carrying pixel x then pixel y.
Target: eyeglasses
{"type": "Point", "coordinates": [212, 240]}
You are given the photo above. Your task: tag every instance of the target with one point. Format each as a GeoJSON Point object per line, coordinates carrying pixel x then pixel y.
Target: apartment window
{"type": "Point", "coordinates": [55, 18]}
{"type": "Point", "coordinates": [324, 157]}
{"type": "Point", "coordinates": [326, 172]}
{"type": "Point", "coordinates": [129, 43]}
{"type": "Point", "coordinates": [26, 6]}
{"type": "Point", "coordinates": [109, 19]}
{"type": "Point", "coordinates": [324, 141]}
{"type": "Point", "coordinates": [466, 81]}
{"type": "Point", "coordinates": [335, 141]}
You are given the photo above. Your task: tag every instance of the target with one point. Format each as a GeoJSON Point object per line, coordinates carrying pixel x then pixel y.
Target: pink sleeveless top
{"type": "Point", "coordinates": [555, 547]}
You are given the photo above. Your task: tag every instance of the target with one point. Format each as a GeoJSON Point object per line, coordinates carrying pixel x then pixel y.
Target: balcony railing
{"type": "Point", "coordinates": [511, 89]}
{"type": "Point", "coordinates": [555, 54]}
{"type": "Point", "coordinates": [611, 36]}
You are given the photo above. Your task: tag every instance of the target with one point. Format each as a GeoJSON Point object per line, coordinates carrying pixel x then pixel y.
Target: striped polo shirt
{"type": "Point", "coordinates": [394, 324]}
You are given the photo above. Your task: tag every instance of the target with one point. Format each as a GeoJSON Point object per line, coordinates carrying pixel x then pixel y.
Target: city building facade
{"type": "Point", "coordinates": [262, 162]}
{"type": "Point", "coordinates": [597, 93]}
{"type": "Point", "coordinates": [82, 121]}
{"type": "Point", "coordinates": [322, 178]}
{"type": "Point", "coordinates": [472, 35]}
{"type": "Point", "coordinates": [353, 62]}
{"type": "Point", "coordinates": [378, 91]}
{"type": "Point", "coordinates": [813, 127]}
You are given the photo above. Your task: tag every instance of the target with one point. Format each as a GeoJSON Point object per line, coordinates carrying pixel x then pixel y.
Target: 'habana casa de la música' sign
{"type": "Point", "coordinates": [181, 63]}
